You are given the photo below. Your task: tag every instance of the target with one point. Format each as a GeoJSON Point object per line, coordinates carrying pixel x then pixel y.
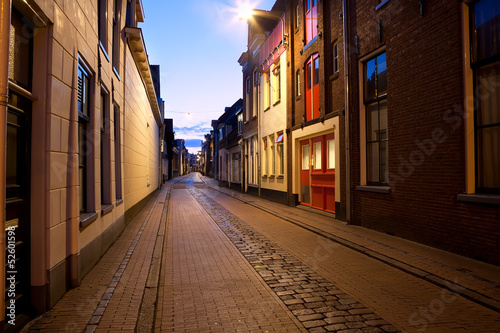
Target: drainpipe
{"type": "Point", "coordinates": [5, 9]}
{"type": "Point", "coordinates": [346, 98]}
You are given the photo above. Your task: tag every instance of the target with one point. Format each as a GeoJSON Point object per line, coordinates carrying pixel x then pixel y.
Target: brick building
{"type": "Point", "coordinates": [397, 131]}
{"type": "Point", "coordinates": [424, 122]}
{"type": "Point", "coordinates": [83, 146]}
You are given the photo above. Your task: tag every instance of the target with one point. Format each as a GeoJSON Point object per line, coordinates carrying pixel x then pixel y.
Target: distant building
{"type": "Point", "coordinates": [227, 153]}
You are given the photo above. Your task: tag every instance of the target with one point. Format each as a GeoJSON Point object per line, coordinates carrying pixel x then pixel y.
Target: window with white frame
{"type": "Point", "coordinates": [375, 101]}
{"type": "Point", "coordinates": [272, 155]}
{"type": "Point", "coordinates": [267, 90]}
{"type": "Point", "coordinates": [255, 95]}
{"type": "Point", "coordinates": [280, 154]}
{"type": "Point", "coordinates": [335, 58]}
{"type": "Point", "coordinates": [276, 84]}
{"type": "Point", "coordinates": [265, 157]}
{"type": "Point", "coordinates": [298, 82]}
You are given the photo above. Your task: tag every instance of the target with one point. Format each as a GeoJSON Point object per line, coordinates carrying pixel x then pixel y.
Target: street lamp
{"type": "Point", "coordinates": [246, 13]}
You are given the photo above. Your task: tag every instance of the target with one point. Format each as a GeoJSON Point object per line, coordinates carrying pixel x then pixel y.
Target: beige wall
{"type": "Point", "coordinates": [68, 37]}
{"type": "Point", "coordinates": [271, 122]}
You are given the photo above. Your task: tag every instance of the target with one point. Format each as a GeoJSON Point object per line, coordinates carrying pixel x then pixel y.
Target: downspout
{"type": "Point", "coordinates": [5, 9]}
{"type": "Point", "coordinates": [347, 105]}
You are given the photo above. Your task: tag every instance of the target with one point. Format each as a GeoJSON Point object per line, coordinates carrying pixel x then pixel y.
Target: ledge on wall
{"type": "Point", "coordinates": [138, 48]}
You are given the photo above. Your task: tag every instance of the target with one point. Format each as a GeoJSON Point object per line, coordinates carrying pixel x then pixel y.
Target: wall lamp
{"type": "Point", "coordinates": [248, 13]}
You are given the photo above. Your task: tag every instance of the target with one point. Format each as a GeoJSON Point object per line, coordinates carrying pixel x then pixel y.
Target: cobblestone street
{"type": "Point", "coordinates": [199, 258]}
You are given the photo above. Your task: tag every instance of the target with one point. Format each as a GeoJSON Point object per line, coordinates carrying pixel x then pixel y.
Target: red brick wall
{"type": "Point", "coordinates": [425, 80]}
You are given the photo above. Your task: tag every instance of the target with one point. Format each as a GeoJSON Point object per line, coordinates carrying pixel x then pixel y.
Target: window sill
{"type": "Point", "coordinates": [374, 189]}
{"type": "Point", "coordinates": [116, 73]}
{"type": "Point", "coordinates": [276, 103]}
{"type": "Point", "coordinates": [264, 176]}
{"type": "Point", "coordinates": [380, 5]}
{"type": "Point", "coordinates": [104, 51]}
{"type": "Point", "coordinates": [106, 209]}
{"type": "Point", "coordinates": [311, 42]}
{"type": "Point", "coordinates": [271, 177]}
{"type": "Point", "coordinates": [87, 219]}
{"type": "Point", "coordinates": [266, 109]}
{"type": "Point", "coordinates": [118, 202]}
{"type": "Point", "coordinates": [280, 177]}
{"type": "Point", "coordinates": [334, 76]}
{"type": "Point", "coordinates": [254, 117]}
{"type": "Point", "coordinates": [489, 199]}
{"type": "Point", "coordinates": [297, 98]}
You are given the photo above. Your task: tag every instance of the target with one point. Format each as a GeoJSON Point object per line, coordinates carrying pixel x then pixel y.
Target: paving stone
{"type": "Point", "coordinates": [310, 317]}
{"type": "Point", "coordinates": [337, 313]}
{"type": "Point", "coordinates": [313, 323]}
{"type": "Point", "coordinates": [355, 324]}
{"type": "Point", "coordinates": [302, 312]}
{"type": "Point", "coordinates": [335, 327]}
{"type": "Point", "coordinates": [313, 299]}
{"type": "Point", "coordinates": [335, 320]}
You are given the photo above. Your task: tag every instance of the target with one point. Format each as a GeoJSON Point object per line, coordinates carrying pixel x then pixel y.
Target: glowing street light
{"type": "Point", "coordinates": [246, 13]}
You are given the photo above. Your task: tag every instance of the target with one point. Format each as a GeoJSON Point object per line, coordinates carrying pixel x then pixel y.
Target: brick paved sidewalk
{"type": "Point", "coordinates": [472, 279]}
{"type": "Point", "coordinates": [207, 285]}
{"type": "Point", "coordinates": [110, 295]}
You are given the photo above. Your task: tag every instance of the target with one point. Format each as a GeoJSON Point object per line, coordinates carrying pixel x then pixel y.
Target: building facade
{"type": "Point", "coordinates": [83, 139]}
{"type": "Point", "coordinates": [391, 116]}
{"type": "Point", "coordinates": [425, 127]}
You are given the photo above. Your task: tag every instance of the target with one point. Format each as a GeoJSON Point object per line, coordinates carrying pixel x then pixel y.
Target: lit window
{"type": "Point", "coordinates": [298, 83]}
{"type": "Point", "coordinates": [280, 154]}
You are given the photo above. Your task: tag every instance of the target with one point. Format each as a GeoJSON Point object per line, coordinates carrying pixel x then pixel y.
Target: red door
{"type": "Point", "coordinates": [321, 177]}
{"type": "Point", "coordinates": [305, 163]}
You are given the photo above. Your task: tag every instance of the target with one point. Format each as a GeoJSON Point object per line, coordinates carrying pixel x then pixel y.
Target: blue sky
{"type": "Point", "coordinates": [197, 44]}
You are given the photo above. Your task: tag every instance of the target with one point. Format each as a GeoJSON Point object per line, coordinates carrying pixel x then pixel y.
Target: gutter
{"type": "Point", "coordinates": [347, 106]}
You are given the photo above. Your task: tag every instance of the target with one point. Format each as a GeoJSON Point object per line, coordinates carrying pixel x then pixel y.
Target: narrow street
{"type": "Point", "coordinates": [199, 258]}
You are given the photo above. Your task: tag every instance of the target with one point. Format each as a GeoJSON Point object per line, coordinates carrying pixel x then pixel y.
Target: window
{"type": "Point", "coordinates": [311, 15]}
{"type": "Point", "coordinates": [331, 154]}
{"type": "Point", "coordinates": [116, 34]}
{"type": "Point", "coordinates": [83, 144]}
{"type": "Point", "coordinates": [318, 163]}
{"type": "Point", "coordinates": [248, 90]}
{"type": "Point", "coordinates": [240, 123]}
{"type": "Point", "coordinates": [267, 91]}
{"type": "Point", "coordinates": [312, 87]}
{"type": "Point", "coordinates": [280, 154]}
{"type": "Point", "coordinates": [272, 159]}
{"type": "Point", "coordinates": [335, 58]}
{"type": "Point", "coordinates": [297, 16]}
{"type": "Point", "coordinates": [102, 18]}
{"type": "Point", "coordinates": [305, 157]}
{"type": "Point", "coordinates": [297, 75]}
{"type": "Point", "coordinates": [118, 155]}
{"type": "Point", "coordinates": [105, 151]}
{"type": "Point", "coordinates": [255, 101]}
{"type": "Point", "coordinates": [276, 84]}
{"type": "Point", "coordinates": [375, 100]}
{"type": "Point", "coordinates": [485, 63]}
{"type": "Point", "coordinates": [265, 157]}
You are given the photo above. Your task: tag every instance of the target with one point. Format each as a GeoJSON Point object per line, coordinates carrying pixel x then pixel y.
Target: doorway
{"type": "Point", "coordinates": [317, 172]}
